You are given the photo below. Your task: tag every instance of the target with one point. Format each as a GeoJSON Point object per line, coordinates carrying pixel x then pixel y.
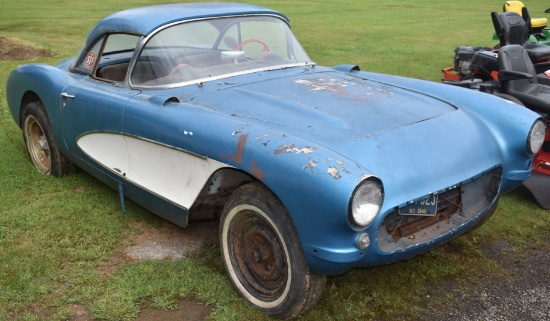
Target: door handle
{"type": "Point", "coordinates": [67, 95]}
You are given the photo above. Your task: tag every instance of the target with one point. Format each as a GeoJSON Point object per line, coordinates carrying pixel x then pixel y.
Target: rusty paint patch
{"type": "Point", "coordinates": [291, 148]}
{"type": "Point", "coordinates": [333, 171]}
{"type": "Point", "coordinates": [240, 148]}
{"type": "Point", "coordinates": [238, 157]}
{"type": "Point", "coordinates": [258, 173]}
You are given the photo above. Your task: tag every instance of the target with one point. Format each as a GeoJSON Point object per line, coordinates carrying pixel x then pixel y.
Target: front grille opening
{"type": "Point", "coordinates": [455, 207]}
{"type": "Point", "coordinates": [399, 226]}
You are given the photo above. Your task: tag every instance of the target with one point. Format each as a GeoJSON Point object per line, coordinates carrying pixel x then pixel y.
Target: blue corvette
{"type": "Point", "coordinates": [214, 111]}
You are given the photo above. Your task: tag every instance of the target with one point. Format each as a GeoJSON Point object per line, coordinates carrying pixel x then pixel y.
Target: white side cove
{"type": "Point", "coordinates": [173, 174]}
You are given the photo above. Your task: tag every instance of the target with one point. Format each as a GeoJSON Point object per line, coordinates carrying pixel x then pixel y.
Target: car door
{"type": "Point", "coordinates": [91, 116]}
{"type": "Point", "coordinates": [92, 108]}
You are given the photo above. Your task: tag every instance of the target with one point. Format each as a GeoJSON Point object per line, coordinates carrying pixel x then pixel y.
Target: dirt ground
{"type": "Point", "coordinates": [523, 295]}
{"type": "Point", "coordinates": [11, 49]}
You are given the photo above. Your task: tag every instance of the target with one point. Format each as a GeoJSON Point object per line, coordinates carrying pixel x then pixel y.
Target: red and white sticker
{"type": "Point", "coordinates": [90, 59]}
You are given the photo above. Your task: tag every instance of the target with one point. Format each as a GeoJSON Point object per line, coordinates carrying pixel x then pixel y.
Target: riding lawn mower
{"type": "Point", "coordinates": [517, 70]}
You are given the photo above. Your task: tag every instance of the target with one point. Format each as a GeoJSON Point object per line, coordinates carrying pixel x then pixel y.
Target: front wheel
{"type": "Point", "coordinates": [41, 145]}
{"type": "Point", "coordinates": [263, 256]}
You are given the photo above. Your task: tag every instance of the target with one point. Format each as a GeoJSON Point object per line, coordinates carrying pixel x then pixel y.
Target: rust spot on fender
{"type": "Point", "coordinates": [240, 148]}
{"type": "Point", "coordinates": [238, 157]}
{"type": "Point", "coordinates": [258, 173]}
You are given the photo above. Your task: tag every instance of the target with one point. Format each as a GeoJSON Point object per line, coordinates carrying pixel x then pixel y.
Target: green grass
{"type": "Point", "coordinates": [55, 233]}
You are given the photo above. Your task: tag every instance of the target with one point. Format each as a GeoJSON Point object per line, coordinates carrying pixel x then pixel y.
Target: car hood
{"type": "Point", "coordinates": [349, 126]}
{"type": "Point", "coordinates": [329, 105]}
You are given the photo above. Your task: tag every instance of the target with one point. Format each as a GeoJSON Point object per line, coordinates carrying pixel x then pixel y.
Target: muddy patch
{"type": "Point", "coordinates": [167, 242]}
{"type": "Point", "coordinates": [171, 242]}
{"type": "Point", "coordinates": [14, 49]}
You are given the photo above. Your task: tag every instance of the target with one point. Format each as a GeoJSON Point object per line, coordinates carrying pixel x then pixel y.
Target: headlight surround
{"type": "Point", "coordinates": [536, 137]}
{"type": "Point", "coordinates": [366, 202]}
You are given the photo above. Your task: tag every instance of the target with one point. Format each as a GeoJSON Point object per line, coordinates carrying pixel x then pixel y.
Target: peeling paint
{"type": "Point", "coordinates": [333, 171]}
{"type": "Point", "coordinates": [382, 91]}
{"type": "Point", "coordinates": [325, 84]}
{"type": "Point", "coordinates": [341, 86]}
{"type": "Point", "coordinates": [262, 136]}
{"type": "Point", "coordinates": [238, 131]}
{"type": "Point", "coordinates": [290, 148]}
{"type": "Point", "coordinates": [311, 165]}
{"type": "Point", "coordinates": [187, 133]}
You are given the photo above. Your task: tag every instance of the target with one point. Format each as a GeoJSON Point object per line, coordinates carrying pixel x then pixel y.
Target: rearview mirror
{"type": "Point", "coordinates": [233, 56]}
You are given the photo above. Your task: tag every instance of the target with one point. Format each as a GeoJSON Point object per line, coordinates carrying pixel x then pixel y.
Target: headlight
{"type": "Point", "coordinates": [536, 137]}
{"type": "Point", "coordinates": [366, 202]}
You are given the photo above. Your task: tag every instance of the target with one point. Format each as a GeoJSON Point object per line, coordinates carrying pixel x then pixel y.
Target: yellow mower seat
{"type": "Point", "coordinates": [516, 6]}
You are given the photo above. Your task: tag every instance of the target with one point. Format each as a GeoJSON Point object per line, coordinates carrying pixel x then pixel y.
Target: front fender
{"type": "Point", "coordinates": [508, 122]}
{"type": "Point", "coordinates": [313, 182]}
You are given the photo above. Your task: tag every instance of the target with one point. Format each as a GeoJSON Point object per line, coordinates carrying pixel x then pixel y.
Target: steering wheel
{"type": "Point", "coordinates": [265, 47]}
{"type": "Point", "coordinates": [176, 68]}
{"type": "Point", "coordinates": [547, 10]}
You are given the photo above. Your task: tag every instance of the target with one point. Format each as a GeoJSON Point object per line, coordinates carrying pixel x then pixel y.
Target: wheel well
{"type": "Point", "coordinates": [28, 98]}
{"type": "Point", "coordinates": [212, 198]}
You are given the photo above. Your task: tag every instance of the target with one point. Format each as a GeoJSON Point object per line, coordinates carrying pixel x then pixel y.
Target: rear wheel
{"type": "Point", "coordinates": [42, 148]}
{"type": "Point", "coordinates": [263, 256]}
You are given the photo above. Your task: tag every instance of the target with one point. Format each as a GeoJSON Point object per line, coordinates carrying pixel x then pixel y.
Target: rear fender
{"type": "Point", "coordinates": [36, 82]}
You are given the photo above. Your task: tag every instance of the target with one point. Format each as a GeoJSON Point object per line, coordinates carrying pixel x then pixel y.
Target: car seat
{"type": "Point", "coordinates": [513, 30]}
{"type": "Point", "coordinates": [518, 78]}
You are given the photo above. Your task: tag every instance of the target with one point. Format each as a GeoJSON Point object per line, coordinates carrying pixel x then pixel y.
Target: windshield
{"type": "Point", "coordinates": [212, 49]}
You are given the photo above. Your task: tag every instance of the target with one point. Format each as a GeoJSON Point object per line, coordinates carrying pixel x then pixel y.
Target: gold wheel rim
{"type": "Point", "coordinates": [37, 144]}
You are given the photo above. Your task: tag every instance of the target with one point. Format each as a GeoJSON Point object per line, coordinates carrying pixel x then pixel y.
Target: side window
{"type": "Point", "coordinates": [115, 57]}
{"type": "Point", "coordinates": [176, 51]}
{"type": "Point", "coordinates": [88, 62]}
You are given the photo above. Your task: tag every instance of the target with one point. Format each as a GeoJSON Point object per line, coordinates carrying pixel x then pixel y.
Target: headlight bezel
{"type": "Point", "coordinates": [537, 132]}
{"type": "Point", "coordinates": [369, 189]}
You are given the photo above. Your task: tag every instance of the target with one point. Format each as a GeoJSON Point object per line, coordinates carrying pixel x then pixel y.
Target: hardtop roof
{"type": "Point", "coordinates": [143, 20]}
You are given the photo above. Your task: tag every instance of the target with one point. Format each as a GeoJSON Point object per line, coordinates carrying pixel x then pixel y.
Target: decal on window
{"type": "Point", "coordinates": [90, 59]}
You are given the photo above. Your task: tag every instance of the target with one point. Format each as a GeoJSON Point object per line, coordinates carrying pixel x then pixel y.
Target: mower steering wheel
{"type": "Point", "coordinates": [547, 10]}
{"type": "Point", "coordinates": [265, 49]}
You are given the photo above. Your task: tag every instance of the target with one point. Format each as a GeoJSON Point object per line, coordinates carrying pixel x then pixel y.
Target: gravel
{"type": "Point", "coordinates": [521, 294]}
